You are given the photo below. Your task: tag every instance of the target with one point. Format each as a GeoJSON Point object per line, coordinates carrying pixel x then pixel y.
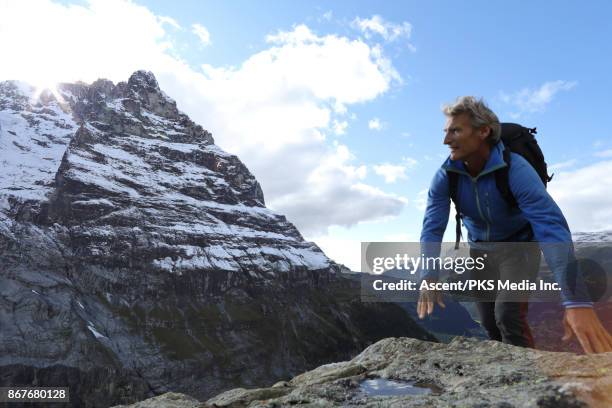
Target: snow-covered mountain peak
{"type": "Point", "coordinates": [143, 79]}
{"type": "Point", "coordinates": [106, 158]}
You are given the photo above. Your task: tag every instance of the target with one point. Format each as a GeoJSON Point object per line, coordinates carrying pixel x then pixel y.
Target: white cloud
{"type": "Point", "coordinates": [340, 127]}
{"type": "Point", "coordinates": [202, 33]}
{"type": "Point", "coordinates": [68, 43]}
{"type": "Point", "coordinates": [409, 162]}
{"type": "Point", "coordinates": [332, 194]}
{"type": "Point", "coordinates": [529, 100]}
{"type": "Point", "coordinates": [375, 124]}
{"type": "Point", "coordinates": [562, 165]}
{"type": "Point", "coordinates": [387, 30]}
{"type": "Point", "coordinates": [420, 202]}
{"type": "Point", "coordinates": [391, 172]}
{"type": "Point", "coordinates": [347, 251]}
{"type": "Point", "coordinates": [273, 110]}
{"type": "Point", "coordinates": [394, 172]}
{"type": "Point", "coordinates": [604, 153]}
{"type": "Point", "coordinates": [340, 108]}
{"type": "Point", "coordinates": [584, 196]}
{"type": "Point", "coordinates": [327, 67]}
{"type": "Point", "coordinates": [342, 250]}
{"type": "Point", "coordinates": [170, 21]}
{"type": "Point", "coordinates": [401, 237]}
{"type": "Point", "coordinates": [299, 35]}
{"type": "Point", "coordinates": [385, 64]}
{"type": "Point", "coordinates": [327, 16]}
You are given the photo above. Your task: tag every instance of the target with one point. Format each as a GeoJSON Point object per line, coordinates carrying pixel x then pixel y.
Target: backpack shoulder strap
{"type": "Point", "coordinates": [502, 180]}
{"type": "Point", "coordinates": [453, 181]}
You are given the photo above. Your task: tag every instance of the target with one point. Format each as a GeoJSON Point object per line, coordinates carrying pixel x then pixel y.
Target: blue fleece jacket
{"type": "Point", "coordinates": [488, 217]}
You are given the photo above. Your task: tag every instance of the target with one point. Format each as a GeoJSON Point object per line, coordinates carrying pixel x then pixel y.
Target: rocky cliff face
{"type": "Point", "coordinates": [137, 257]}
{"type": "Point", "coordinates": [401, 372]}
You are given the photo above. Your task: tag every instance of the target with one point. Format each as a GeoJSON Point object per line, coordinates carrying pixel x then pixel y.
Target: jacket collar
{"type": "Point", "coordinates": [495, 161]}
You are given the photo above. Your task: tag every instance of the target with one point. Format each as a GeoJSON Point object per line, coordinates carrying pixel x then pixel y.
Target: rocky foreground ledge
{"type": "Point", "coordinates": [465, 373]}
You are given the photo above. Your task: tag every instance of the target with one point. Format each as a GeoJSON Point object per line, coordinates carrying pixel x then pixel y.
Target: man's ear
{"type": "Point", "coordinates": [484, 132]}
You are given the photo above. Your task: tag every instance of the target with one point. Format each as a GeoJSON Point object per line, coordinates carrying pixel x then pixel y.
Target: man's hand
{"type": "Point", "coordinates": [425, 304]}
{"type": "Point", "coordinates": [584, 323]}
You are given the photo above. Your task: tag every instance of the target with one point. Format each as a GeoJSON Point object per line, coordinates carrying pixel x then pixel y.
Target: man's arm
{"type": "Point", "coordinates": [550, 229]}
{"type": "Point", "coordinates": [552, 232]}
{"type": "Point", "coordinates": [434, 225]}
{"type": "Point", "coordinates": [435, 219]}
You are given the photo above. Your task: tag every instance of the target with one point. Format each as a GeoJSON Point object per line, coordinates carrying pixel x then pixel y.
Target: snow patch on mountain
{"type": "Point", "coordinates": [34, 135]}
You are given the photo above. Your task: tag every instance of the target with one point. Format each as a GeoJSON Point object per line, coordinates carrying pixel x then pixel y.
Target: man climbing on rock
{"type": "Point", "coordinates": [501, 197]}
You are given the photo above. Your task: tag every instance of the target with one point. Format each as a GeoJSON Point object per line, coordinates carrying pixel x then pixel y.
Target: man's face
{"type": "Point", "coordinates": [462, 138]}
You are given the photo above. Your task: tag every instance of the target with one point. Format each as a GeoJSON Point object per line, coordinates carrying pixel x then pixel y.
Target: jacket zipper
{"type": "Point", "coordinates": [488, 211]}
{"type": "Point", "coordinates": [478, 206]}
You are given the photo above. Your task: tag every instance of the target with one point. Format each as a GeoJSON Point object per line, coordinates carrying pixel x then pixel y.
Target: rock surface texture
{"type": "Point", "coordinates": [138, 258]}
{"type": "Point", "coordinates": [465, 373]}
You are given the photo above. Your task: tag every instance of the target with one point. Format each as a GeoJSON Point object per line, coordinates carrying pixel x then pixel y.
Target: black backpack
{"type": "Point", "coordinates": [517, 139]}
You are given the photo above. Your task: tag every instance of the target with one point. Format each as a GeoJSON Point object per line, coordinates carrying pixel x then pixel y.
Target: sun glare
{"type": "Point", "coordinates": [43, 86]}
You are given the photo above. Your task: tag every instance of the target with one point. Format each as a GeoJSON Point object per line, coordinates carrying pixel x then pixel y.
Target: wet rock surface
{"type": "Point", "coordinates": [138, 258]}
{"type": "Point", "coordinates": [464, 373]}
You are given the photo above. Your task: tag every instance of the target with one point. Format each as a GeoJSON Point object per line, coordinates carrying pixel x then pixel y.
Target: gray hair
{"type": "Point", "coordinates": [479, 113]}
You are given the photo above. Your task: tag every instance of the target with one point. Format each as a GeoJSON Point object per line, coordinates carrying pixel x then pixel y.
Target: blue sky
{"type": "Point", "coordinates": [335, 106]}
